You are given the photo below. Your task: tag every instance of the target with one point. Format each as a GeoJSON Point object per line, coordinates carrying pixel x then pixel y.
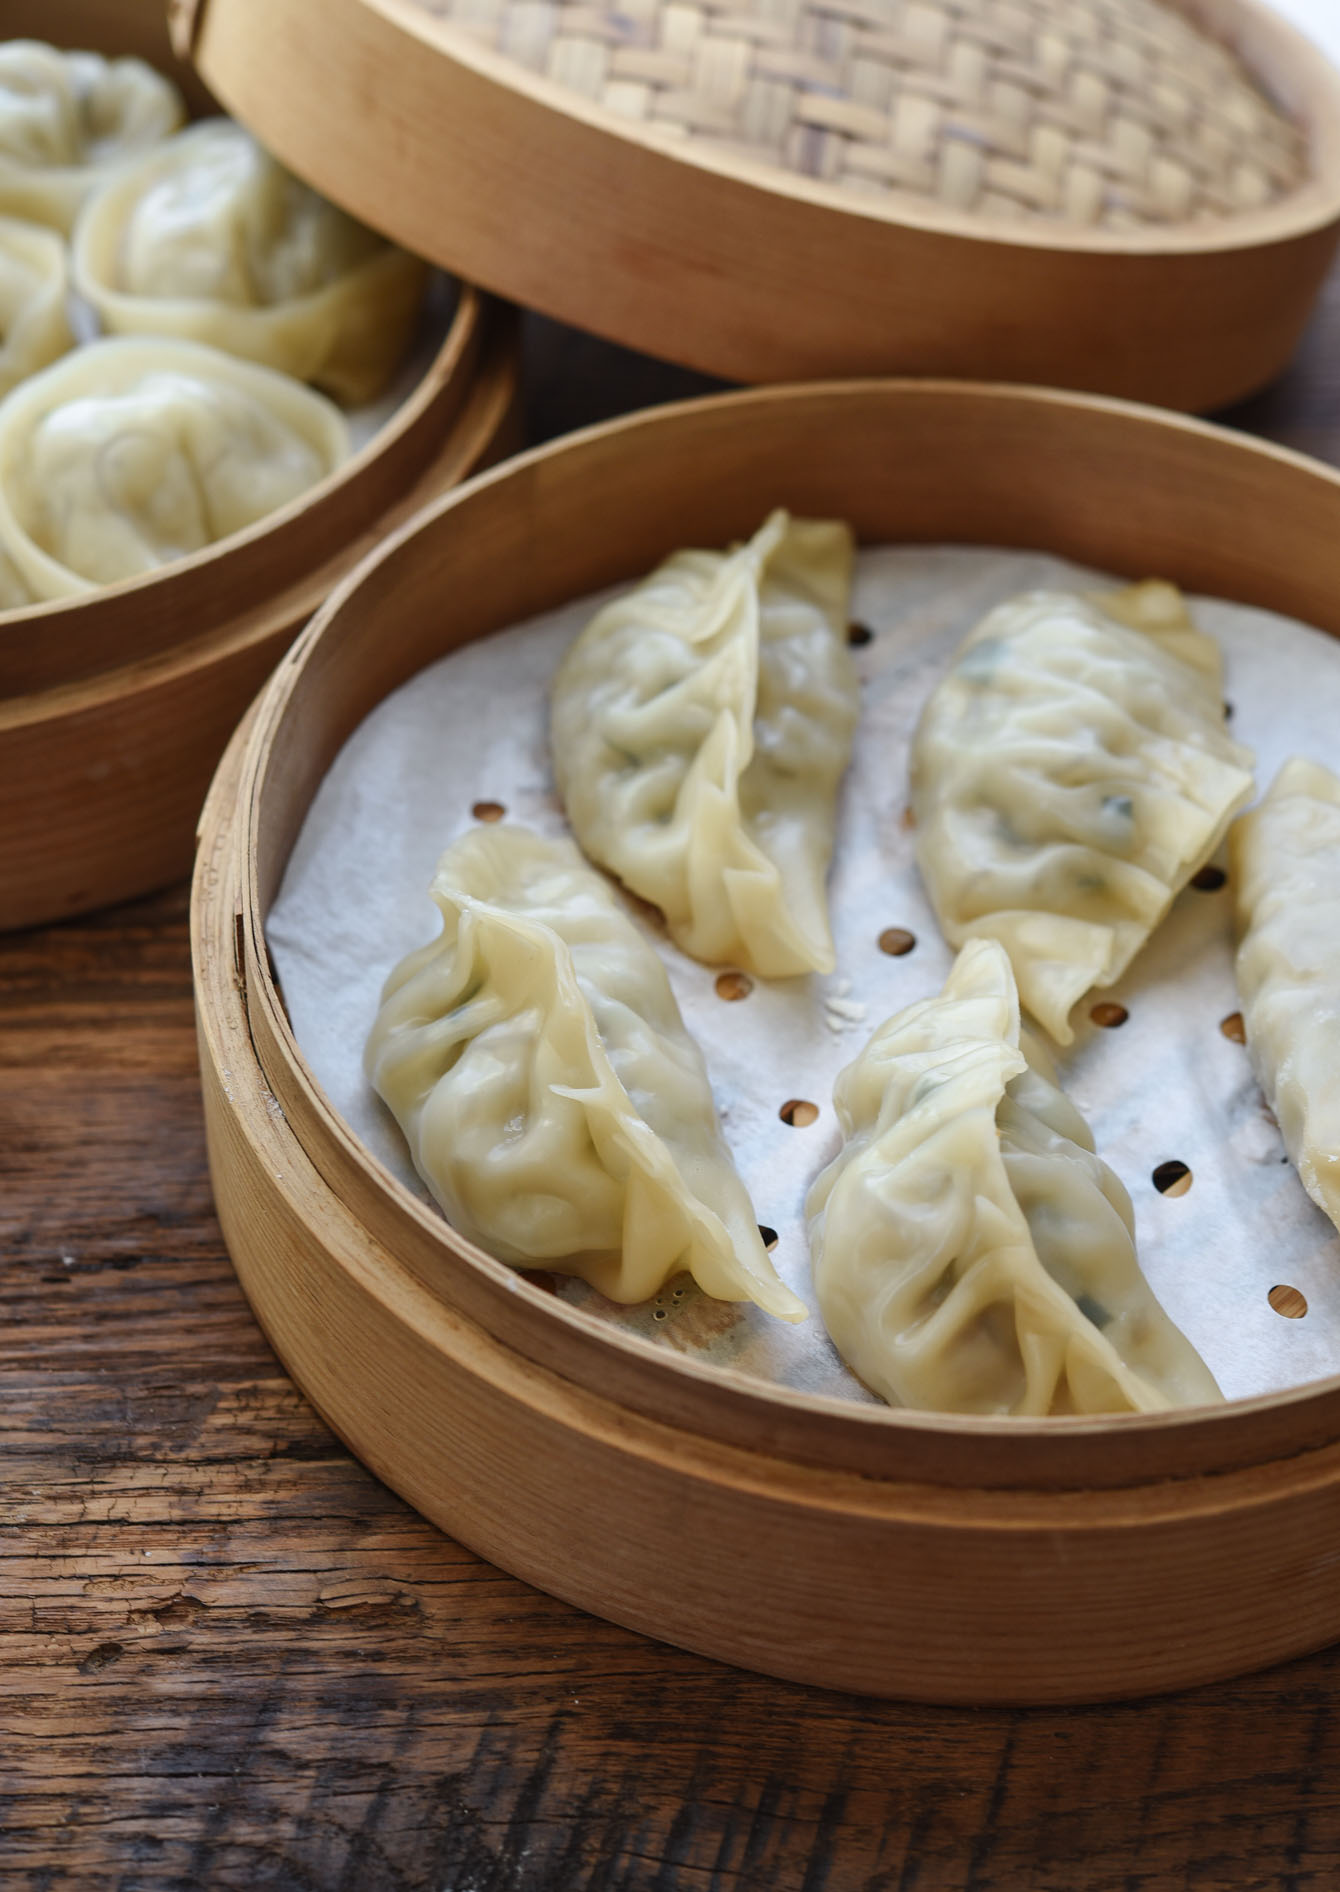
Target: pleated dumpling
{"type": "Point", "coordinates": [15, 593]}
{"type": "Point", "coordinates": [34, 282]}
{"type": "Point", "coordinates": [126, 455]}
{"type": "Point", "coordinates": [210, 239]}
{"type": "Point", "coordinates": [550, 1095]}
{"type": "Point", "coordinates": [701, 726]}
{"type": "Point", "coordinates": [1286, 874]}
{"type": "Point", "coordinates": [1069, 776]}
{"type": "Point", "coordinates": [970, 1252]}
{"type": "Point", "coordinates": [67, 120]}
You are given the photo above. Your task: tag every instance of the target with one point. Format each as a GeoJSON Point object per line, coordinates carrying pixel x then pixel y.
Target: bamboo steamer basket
{"type": "Point", "coordinates": [115, 707]}
{"type": "Point", "coordinates": [858, 1547]}
{"type": "Point", "coordinates": [1079, 192]}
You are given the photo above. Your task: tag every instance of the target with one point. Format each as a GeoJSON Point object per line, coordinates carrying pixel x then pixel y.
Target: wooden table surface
{"type": "Point", "coordinates": [233, 1659]}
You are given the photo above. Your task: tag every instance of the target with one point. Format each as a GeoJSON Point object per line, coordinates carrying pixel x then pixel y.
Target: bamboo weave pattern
{"type": "Point", "coordinates": [1110, 113]}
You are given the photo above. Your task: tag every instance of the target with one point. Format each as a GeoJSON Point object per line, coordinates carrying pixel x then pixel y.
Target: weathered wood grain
{"type": "Point", "coordinates": [229, 1658]}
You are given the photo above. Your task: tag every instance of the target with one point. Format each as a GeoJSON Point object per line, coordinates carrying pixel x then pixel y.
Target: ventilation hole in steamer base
{"type": "Point", "coordinates": [1172, 1178]}
{"type": "Point", "coordinates": [1291, 1302]}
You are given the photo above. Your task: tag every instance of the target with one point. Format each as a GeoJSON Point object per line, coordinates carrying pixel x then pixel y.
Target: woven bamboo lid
{"type": "Point", "coordinates": [1095, 112]}
{"type": "Point", "coordinates": [1077, 191]}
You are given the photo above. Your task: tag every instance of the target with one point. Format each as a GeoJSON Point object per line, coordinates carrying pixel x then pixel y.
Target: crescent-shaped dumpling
{"type": "Point", "coordinates": [1069, 776]}
{"type": "Point", "coordinates": [1286, 875]}
{"type": "Point", "coordinates": [970, 1252]}
{"type": "Point", "coordinates": [701, 727]}
{"type": "Point", "coordinates": [550, 1095]}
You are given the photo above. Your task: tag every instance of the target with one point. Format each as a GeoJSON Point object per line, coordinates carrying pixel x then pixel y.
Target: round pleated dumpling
{"type": "Point", "coordinates": [68, 119]}
{"type": "Point", "coordinates": [34, 320]}
{"type": "Point", "coordinates": [128, 455]}
{"type": "Point", "coordinates": [211, 239]}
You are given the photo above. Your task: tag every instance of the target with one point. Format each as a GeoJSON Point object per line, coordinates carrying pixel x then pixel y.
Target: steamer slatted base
{"type": "Point", "coordinates": [850, 1546]}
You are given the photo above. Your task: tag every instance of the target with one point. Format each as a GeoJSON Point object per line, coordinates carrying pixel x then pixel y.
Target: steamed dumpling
{"type": "Point", "coordinates": [970, 1252]}
{"type": "Point", "coordinates": [15, 593]}
{"type": "Point", "coordinates": [209, 238]}
{"type": "Point", "coordinates": [1286, 873]}
{"type": "Point", "coordinates": [701, 727]}
{"type": "Point", "coordinates": [67, 119]}
{"type": "Point", "coordinates": [34, 325]}
{"type": "Point", "coordinates": [1069, 776]}
{"type": "Point", "coordinates": [127, 455]}
{"type": "Point", "coordinates": [551, 1098]}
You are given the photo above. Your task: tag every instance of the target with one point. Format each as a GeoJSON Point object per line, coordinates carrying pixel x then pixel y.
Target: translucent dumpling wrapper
{"type": "Point", "coordinates": [127, 455]}
{"type": "Point", "coordinates": [701, 728]}
{"type": "Point", "coordinates": [210, 239]}
{"type": "Point", "coordinates": [34, 285]}
{"type": "Point", "coordinates": [15, 594]}
{"type": "Point", "coordinates": [551, 1098]}
{"type": "Point", "coordinates": [67, 120]}
{"type": "Point", "coordinates": [1285, 859]}
{"type": "Point", "coordinates": [970, 1251]}
{"type": "Point", "coordinates": [1069, 776]}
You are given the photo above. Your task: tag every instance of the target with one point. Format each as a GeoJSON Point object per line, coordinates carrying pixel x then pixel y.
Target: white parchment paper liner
{"type": "Point", "coordinates": [1166, 1084]}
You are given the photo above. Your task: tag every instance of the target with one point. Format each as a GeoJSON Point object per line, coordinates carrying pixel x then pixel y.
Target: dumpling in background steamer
{"type": "Point", "coordinates": [551, 1098]}
{"type": "Point", "coordinates": [34, 283]}
{"type": "Point", "coordinates": [210, 239]}
{"type": "Point", "coordinates": [1286, 873]}
{"type": "Point", "coordinates": [970, 1252]}
{"type": "Point", "coordinates": [701, 727]}
{"type": "Point", "coordinates": [67, 120]}
{"type": "Point", "coordinates": [15, 593]}
{"type": "Point", "coordinates": [1069, 776]}
{"type": "Point", "coordinates": [126, 455]}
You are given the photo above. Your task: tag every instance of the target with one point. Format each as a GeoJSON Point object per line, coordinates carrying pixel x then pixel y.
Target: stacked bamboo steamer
{"type": "Point", "coordinates": [115, 706]}
{"type": "Point", "coordinates": [1113, 195]}
{"type": "Point", "coordinates": [1130, 196]}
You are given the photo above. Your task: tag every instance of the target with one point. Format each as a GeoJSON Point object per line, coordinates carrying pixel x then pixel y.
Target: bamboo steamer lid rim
{"type": "Point", "coordinates": [1016, 1451]}
{"type": "Point", "coordinates": [1296, 65]}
